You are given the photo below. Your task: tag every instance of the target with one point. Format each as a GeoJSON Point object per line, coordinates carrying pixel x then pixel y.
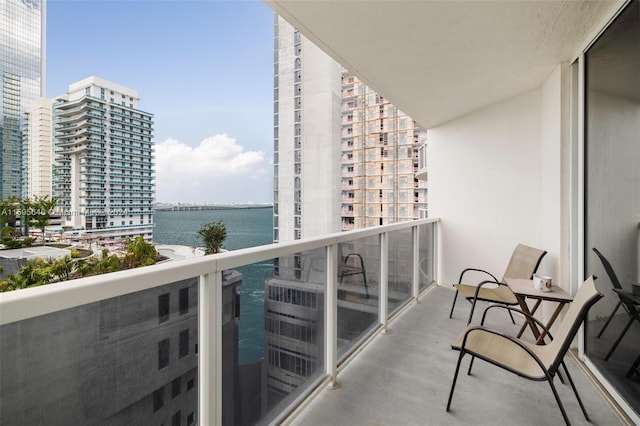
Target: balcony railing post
{"type": "Point", "coordinates": [415, 288]}
{"type": "Point", "coordinates": [384, 280]}
{"type": "Point", "coordinates": [210, 349]}
{"type": "Point", "coordinates": [331, 316]}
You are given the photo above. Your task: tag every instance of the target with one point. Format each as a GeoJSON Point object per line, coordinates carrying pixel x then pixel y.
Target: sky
{"type": "Point", "coordinates": [203, 68]}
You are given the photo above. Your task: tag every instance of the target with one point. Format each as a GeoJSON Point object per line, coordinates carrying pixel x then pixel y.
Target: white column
{"type": "Point", "coordinates": [415, 288]}
{"type": "Point", "coordinates": [384, 280]}
{"type": "Point", "coordinates": [331, 316]}
{"type": "Point", "coordinates": [210, 349]}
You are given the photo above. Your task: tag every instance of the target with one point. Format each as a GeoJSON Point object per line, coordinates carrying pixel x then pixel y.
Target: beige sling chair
{"type": "Point", "coordinates": [523, 264]}
{"type": "Point", "coordinates": [528, 360]}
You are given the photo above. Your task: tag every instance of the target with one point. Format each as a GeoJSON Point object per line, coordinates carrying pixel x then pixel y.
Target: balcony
{"type": "Point", "coordinates": [131, 320]}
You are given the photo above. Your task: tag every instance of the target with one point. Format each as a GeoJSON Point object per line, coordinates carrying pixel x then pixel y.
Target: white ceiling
{"type": "Point", "coordinates": [438, 60]}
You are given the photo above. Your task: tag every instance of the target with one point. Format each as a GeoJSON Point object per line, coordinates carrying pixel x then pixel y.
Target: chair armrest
{"type": "Point", "coordinates": [512, 339]}
{"type": "Point", "coordinates": [476, 270]}
{"type": "Point", "coordinates": [479, 286]}
{"type": "Point", "coordinates": [519, 311]}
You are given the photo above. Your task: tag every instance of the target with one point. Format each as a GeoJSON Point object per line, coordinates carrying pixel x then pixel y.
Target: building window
{"type": "Point", "coordinates": [184, 301]}
{"type": "Point", "coordinates": [190, 384]}
{"type": "Point", "coordinates": [190, 419]}
{"type": "Point", "coordinates": [158, 399]}
{"type": "Point", "coordinates": [176, 387]}
{"type": "Point", "coordinates": [163, 354]}
{"type": "Point", "coordinates": [175, 419]}
{"type": "Point", "coordinates": [163, 308]}
{"type": "Point", "coordinates": [183, 344]}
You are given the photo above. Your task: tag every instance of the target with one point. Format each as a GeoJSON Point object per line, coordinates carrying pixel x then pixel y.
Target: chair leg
{"type": "Point", "coordinates": [575, 391]}
{"type": "Point", "coordinates": [555, 394]}
{"type": "Point", "coordinates": [455, 378]}
{"type": "Point", "coordinates": [512, 319]}
{"type": "Point", "coordinates": [366, 287]}
{"type": "Point", "coordinates": [473, 307]}
{"type": "Point", "coordinates": [635, 368]}
{"type": "Point", "coordinates": [615, 345]}
{"type": "Point", "coordinates": [609, 319]}
{"type": "Point", "coordinates": [470, 365]}
{"type": "Point", "coordinates": [453, 304]}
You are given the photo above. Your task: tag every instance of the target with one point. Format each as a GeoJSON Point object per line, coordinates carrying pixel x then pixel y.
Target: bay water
{"type": "Point", "coordinates": [246, 227]}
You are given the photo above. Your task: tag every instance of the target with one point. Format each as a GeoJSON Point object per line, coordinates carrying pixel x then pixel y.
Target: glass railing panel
{"type": "Point", "coordinates": [358, 291]}
{"type": "Point", "coordinates": [125, 360]}
{"type": "Point", "coordinates": [279, 336]}
{"type": "Point", "coordinates": [399, 268]}
{"type": "Point", "coordinates": [426, 250]}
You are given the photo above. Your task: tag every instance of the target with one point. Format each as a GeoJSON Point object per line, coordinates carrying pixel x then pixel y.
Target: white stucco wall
{"type": "Point", "coordinates": [321, 150]}
{"type": "Point", "coordinates": [495, 180]}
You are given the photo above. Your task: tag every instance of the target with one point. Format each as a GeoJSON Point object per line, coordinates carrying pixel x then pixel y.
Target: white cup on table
{"type": "Point", "coordinates": [542, 282]}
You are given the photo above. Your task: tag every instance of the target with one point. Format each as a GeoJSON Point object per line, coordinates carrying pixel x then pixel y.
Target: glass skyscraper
{"type": "Point", "coordinates": [22, 28]}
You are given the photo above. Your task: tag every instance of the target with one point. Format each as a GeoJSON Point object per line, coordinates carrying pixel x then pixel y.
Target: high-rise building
{"type": "Point", "coordinates": [37, 150]}
{"type": "Point", "coordinates": [22, 47]}
{"type": "Point", "coordinates": [344, 157]}
{"type": "Point", "coordinates": [380, 147]}
{"type": "Point", "coordinates": [306, 137]}
{"type": "Point", "coordinates": [103, 166]}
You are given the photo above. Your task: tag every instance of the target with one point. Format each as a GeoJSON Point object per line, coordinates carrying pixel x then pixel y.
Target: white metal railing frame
{"type": "Point", "coordinates": [32, 302]}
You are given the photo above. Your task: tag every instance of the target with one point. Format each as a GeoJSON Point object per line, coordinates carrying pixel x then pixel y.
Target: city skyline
{"type": "Point", "coordinates": [213, 116]}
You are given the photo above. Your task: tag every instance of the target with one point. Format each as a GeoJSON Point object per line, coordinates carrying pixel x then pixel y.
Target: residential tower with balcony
{"type": "Point", "coordinates": [103, 166]}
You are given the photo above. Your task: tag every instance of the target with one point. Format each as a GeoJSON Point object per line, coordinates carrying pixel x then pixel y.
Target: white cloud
{"type": "Point", "coordinates": [217, 170]}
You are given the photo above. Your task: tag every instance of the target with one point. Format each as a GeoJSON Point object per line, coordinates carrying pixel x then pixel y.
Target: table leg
{"type": "Point", "coordinates": [539, 340]}
{"type": "Point", "coordinates": [522, 301]}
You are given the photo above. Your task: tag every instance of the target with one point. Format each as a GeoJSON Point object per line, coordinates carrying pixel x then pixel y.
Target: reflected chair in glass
{"type": "Point", "coordinates": [523, 264]}
{"type": "Point", "coordinates": [350, 265]}
{"type": "Point", "coordinates": [353, 264]}
{"type": "Point", "coordinates": [526, 359]}
{"type": "Point", "coordinates": [616, 284]}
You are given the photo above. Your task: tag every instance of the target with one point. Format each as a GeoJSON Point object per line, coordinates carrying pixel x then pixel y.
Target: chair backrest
{"type": "Point", "coordinates": [524, 262]}
{"type": "Point", "coordinates": [586, 297]}
{"type": "Point", "coordinates": [608, 269]}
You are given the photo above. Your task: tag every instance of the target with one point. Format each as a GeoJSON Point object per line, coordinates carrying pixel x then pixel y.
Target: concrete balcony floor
{"type": "Point", "coordinates": [403, 378]}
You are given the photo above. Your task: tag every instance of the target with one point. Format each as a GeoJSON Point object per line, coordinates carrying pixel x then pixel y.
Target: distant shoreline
{"type": "Point", "coordinates": [182, 208]}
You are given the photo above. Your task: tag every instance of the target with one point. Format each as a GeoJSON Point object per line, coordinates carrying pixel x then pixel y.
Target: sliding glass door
{"type": "Point", "coordinates": [612, 200]}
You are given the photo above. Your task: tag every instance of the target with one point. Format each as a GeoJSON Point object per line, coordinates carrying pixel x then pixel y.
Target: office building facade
{"type": "Point", "coordinates": [103, 165]}
{"type": "Point", "coordinates": [22, 29]}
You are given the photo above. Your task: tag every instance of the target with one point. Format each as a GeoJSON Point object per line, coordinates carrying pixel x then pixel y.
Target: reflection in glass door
{"type": "Point", "coordinates": [612, 200]}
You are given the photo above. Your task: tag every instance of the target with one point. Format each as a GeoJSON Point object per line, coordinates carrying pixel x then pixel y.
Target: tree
{"type": "Point", "coordinates": [8, 215]}
{"type": "Point", "coordinates": [39, 212]}
{"type": "Point", "coordinates": [139, 252]}
{"type": "Point", "coordinates": [213, 235]}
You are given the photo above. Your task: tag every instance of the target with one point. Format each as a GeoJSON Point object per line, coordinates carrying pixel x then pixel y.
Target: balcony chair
{"type": "Point", "coordinates": [528, 360]}
{"type": "Point", "coordinates": [629, 306]}
{"type": "Point", "coordinates": [348, 265]}
{"type": "Point", "coordinates": [523, 264]}
{"type": "Point", "coordinates": [353, 264]}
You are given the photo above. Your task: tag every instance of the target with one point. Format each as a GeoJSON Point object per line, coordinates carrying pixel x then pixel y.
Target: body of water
{"type": "Point", "coordinates": [245, 228]}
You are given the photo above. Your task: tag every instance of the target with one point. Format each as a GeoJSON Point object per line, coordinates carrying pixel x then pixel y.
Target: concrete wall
{"type": "Point", "coordinates": [99, 363]}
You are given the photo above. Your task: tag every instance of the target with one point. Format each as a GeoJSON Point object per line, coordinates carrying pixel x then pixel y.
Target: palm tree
{"type": "Point", "coordinates": [62, 268]}
{"type": "Point", "coordinates": [39, 212]}
{"type": "Point", "coordinates": [140, 252]}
